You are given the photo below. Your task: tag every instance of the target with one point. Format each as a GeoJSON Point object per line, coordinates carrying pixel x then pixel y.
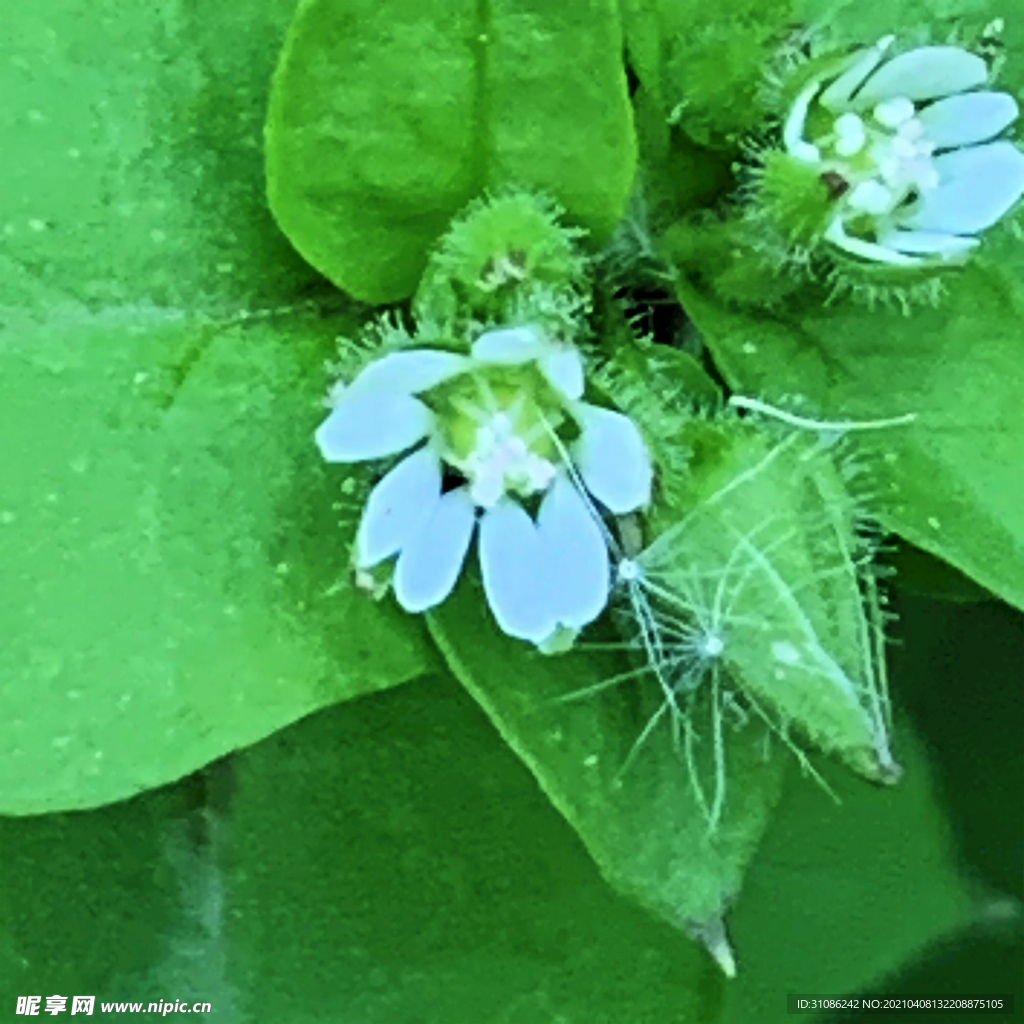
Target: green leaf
{"type": "Point", "coordinates": [950, 481]}
{"type": "Point", "coordinates": [631, 799]}
{"type": "Point", "coordinates": [841, 894]}
{"type": "Point", "coordinates": [387, 118]}
{"type": "Point", "coordinates": [173, 566]}
{"type": "Point", "coordinates": [134, 171]}
{"type": "Point", "coordinates": [90, 901]}
{"type": "Point", "coordinates": [171, 557]}
{"type": "Point", "coordinates": [391, 860]}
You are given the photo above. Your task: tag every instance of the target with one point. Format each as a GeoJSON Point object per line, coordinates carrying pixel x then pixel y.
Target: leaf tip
{"type": "Point", "coordinates": [711, 934]}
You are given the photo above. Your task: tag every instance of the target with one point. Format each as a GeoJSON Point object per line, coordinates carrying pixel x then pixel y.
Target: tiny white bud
{"type": "Point", "coordinates": [893, 112]}
{"type": "Point", "coordinates": [851, 134]}
{"type": "Point", "coordinates": [871, 197]}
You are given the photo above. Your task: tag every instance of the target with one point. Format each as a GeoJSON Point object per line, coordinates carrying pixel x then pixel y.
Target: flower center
{"type": "Point", "coordinates": [885, 158]}
{"type": "Point", "coordinates": [502, 461]}
{"type": "Point", "coordinates": [495, 428]}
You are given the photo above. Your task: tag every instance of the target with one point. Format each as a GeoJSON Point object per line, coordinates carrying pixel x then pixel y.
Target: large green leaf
{"type": "Point", "coordinates": [386, 118]}
{"type": "Point", "coordinates": [949, 482]}
{"type": "Point", "coordinates": [633, 805]}
{"type": "Point", "coordinates": [132, 151]}
{"type": "Point", "coordinates": [173, 567]}
{"type": "Point", "coordinates": [170, 553]}
{"type": "Point", "coordinates": [391, 860]}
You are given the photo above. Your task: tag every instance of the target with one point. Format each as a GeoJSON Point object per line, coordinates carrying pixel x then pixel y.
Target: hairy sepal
{"type": "Point", "coordinates": [764, 558]}
{"type": "Point", "coordinates": [506, 259]}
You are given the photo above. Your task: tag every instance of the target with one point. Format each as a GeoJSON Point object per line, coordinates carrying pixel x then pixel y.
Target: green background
{"type": "Point", "coordinates": [388, 860]}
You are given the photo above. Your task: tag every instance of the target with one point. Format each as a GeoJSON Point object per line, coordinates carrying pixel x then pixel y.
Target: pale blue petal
{"type": "Point", "coordinates": [837, 95]}
{"type": "Point", "coordinates": [613, 459]}
{"type": "Point", "coordinates": [515, 580]}
{"type": "Point", "coordinates": [406, 373]}
{"type": "Point", "coordinates": [398, 507]}
{"type": "Point", "coordinates": [372, 426]}
{"type": "Point", "coordinates": [575, 555]}
{"type": "Point", "coordinates": [925, 74]}
{"type": "Point", "coordinates": [562, 365]}
{"type": "Point", "coordinates": [968, 119]}
{"type": "Point", "coordinates": [866, 250]}
{"type": "Point", "coordinates": [977, 186]}
{"type": "Point", "coordinates": [431, 561]}
{"type": "Point", "coordinates": [509, 345]}
{"type": "Point", "coordinates": [928, 243]}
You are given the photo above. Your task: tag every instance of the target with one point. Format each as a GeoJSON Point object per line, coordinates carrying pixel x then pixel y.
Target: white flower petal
{"type": "Point", "coordinates": [894, 112]}
{"type": "Point", "coordinates": [861, 64]}
{"type": "Point", "coordinates": [968, 119]}
{"type": "Point", "coordinates": [977, 187]}
{"type": "Point", "coordinates": [613, 459]}
{"type": "Point", "coordinates": [509, 345]}
{"type": "Point", "coordinates": [512, 566]}
{"type": "Point", "coordinates": [929, 243]}
{"type": "Point", "coordinates": [575, 555]}
{"type": "Point", "coordinates": [925, 74]}
{"type": "Point", "coordinates": [562, 365]}
{"type": "Point", "coordinates": [398, 507]}
{"type": "Point", "coordinates": [371, 426]}
{"type": "Point", "coordinates": [406, 373]}
{"type": "Point", "coordinates": [863, 249]}
{"type": "Point", "coordinates": [793, 129]}
{"type": "Point", "coordinates": [432, 559]}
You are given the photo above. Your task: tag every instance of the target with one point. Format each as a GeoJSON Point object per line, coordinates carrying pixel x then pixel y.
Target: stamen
{"type": "Point", "coordinates": [851, 134]}
{"type": "Point", "coordinates": [502, 461]}
{"type": "Point", "coordinates": [893, 112]}
{"type": "Point", "coordinates": [871, 197]}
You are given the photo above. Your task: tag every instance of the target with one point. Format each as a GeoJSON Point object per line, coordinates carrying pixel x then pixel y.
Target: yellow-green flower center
{"type": "Point", "coordinates": [883, 157]}
{"type": "Point", "coordinates": [496, 426]}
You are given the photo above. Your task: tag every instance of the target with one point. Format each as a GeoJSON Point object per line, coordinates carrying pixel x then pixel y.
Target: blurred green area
{"type": "Point", "coordinates": [960, 678]}
{"type": "Point", "coordinates": [390, 860]}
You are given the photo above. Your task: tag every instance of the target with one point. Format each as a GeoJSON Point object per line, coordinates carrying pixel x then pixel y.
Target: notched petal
{"type": "Point", "coordinates": [929, 243]}
{"type": "Point", "coordinates": [977, 187]}
{"type": "Point", "coordinates": [431, 560]}
{"type": "Point", "coordinates": [398, 507]}
{"type": "Point", "coordinates": [406, 373]}
{"type": "Point", "coordinates": [837, 95]}
{"type": "Point", "coordinates": [512, 567]}
{"type": "Point", "coordinates": [509, 345]}
{"type": "Point", "coordinates": [968, 119]}
{"type": "Point", "coordinates": [562, 366]}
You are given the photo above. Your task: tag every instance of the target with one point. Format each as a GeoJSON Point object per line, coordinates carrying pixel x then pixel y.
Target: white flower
{"type": "Point", "coordinates": [499, 419]}
{"type": "Point", "coordinates": [909, 148]}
